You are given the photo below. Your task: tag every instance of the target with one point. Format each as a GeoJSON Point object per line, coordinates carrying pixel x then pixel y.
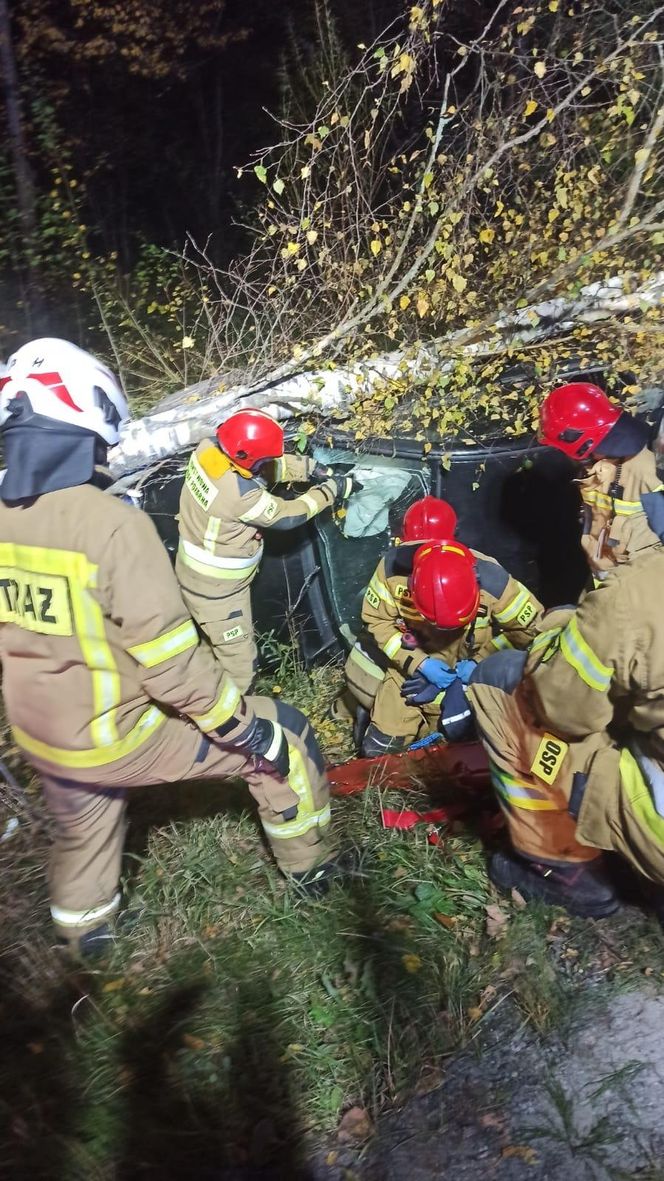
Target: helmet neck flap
{"type": "Point", "coordinates": [43, 455]}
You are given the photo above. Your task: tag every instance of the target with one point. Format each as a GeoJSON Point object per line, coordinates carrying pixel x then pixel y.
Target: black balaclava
{"type": "Point", "coordinates": [627, 437]}
{"type": "Point", "coordinates": [43, 455]}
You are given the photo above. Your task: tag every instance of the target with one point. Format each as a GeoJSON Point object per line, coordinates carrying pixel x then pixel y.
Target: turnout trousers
{"type": "Point", "coordinates": [89, 817]}
{"type": "Point", "coordinates": [563, 801]}
{"type": "Point", "coordinates": [227, 624]}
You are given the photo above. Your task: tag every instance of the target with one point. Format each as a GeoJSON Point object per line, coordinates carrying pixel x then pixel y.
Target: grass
{"type": "Point", "coordinates": [233, 1022]}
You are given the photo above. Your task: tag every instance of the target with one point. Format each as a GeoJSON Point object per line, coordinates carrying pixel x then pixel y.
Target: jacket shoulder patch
{"type": "Point", "coordinates": [491, 577]}
{"type": "Point", "coordinates": [213, 462]}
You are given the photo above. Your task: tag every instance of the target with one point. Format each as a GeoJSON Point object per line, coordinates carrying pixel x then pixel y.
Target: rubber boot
{"type": "Point", "coordinates": [360, 723]}
{"type": "Point", "coordinates": [315, 883]}
{"type": "Point", "coordinates": [581, 888]}
{"type": "Point", "coordinates": [376, 743]}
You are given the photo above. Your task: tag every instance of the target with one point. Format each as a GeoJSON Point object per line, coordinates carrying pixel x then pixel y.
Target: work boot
{"type": "Point", "coordinates": [582, 888]}
{"type": "Point", "coordinates": [314, 884]}
{"type": "Point", "coordinates": [375, 743]}
{"type": "Point", "coordinates": [360, 723]}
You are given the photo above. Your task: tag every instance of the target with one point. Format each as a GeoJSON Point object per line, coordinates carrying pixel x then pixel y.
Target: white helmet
{"type": "Point", "coordinates": [65, 383]}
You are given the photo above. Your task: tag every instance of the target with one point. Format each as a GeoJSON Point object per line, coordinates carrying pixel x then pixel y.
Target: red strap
{"type": "Point", "coordinates": [405, 818]}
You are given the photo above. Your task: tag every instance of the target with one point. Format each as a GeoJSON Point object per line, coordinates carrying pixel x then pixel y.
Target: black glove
{"type": "Point", "coordinates": [417, 690]}
{"type": "Point", "coordinates": [346, 486]}
{"type": "Point", "coordinates": [321, 473]}
{"type": "Point", "coordinates": [266, 742]}
{"type": "Point", "coordinates": [456, 722]}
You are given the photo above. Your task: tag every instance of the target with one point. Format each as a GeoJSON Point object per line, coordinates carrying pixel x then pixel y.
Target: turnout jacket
{"type": "Point", "coordinates": [97, 647]}
{"type": "Point", "coordinates": [615, 526]}
{"type": "Point", "coordinates": [507, 617]}
{"type": "Point", "coordinates": [609, 657]}
{"type": "Point", "coordinates": [223, 511]}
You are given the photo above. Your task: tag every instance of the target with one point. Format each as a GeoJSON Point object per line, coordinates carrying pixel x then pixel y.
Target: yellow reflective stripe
{"type": "Point", "coordinates": [482, 621]}
{"type": "Point", "coordinates": [622, 508]}
{"type": "Point", "coordinates": [381, 589]}
{"type": "Point", "coordinates": [514, 607]}
{"type": "Point", "coordinates": [223, 708]}
{"type": "Point", "coordinates": [280, 469]}
{"type": "Point", "coordinates": [583, 660]}
{"type": "Point", "coordinates": [312, 505]}
{"type": "Point", "coordinates": [40, 560]}
{"type": "Point", "coordinates": [259, 508]}
{"type": "Point", "coordinates": [213, 567]}
{"type": "Point", "coordinates": [91, 635]}
{"type": "Point", "coordinates": [500, 642]}
{"type": "Point", "coordinates": [638, 793]}
{"type": "Point", "coordinates": [519, 794]}
{"type": "Point", "coordinates": [211, 533]}
{"type": "Point", "coordinates": [307, 816]}
{"type": "Point", "coordinates": [366, 663]}
{"type": "Point", "coordinates": [146, 726]}
{"type": "Point", "coordinates": [169, 644]}
{"type": "Point", "coordinates": [81, 918]}
{"type": "Point", "coordinates": [544, 638]}
{"type": "Point", "coordinates": [392, 646]}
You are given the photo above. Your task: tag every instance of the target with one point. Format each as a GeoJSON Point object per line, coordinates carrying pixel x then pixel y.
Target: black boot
{"type": "Point", "coordinates": [582, 889]}
{"type": "Point", "coordinates": [376, 743]}
{"type": "Point", "coordinates": [315, 883]}
{"type": "Point", "coordinates": [360, 723]}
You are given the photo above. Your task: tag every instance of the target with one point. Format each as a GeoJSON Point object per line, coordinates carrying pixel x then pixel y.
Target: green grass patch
{"type": "Point", "coordinates": [232, 1021]}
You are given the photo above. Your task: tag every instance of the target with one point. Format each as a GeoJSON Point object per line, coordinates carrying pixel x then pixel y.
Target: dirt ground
{"type": "Point", "coordinates": [586, 1105]}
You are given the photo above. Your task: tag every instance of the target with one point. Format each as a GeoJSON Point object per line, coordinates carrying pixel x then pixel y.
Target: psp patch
{"type": "Point", "coordinates": [36, 602]}
{"type": "Point", "coordinates": [549, 758]}
{"type": "Point", "coordinates": [233, 633]}
{"type": "Point", "coordinates": [526, 614]}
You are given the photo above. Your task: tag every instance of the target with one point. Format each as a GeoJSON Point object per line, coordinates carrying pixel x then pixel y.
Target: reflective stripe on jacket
{"type": "Point", "coordinates": [508, 615]}
{"type": "Point", "coordinates": [615, 527]}
{"type": "Point", "coordinates": [95, 641]}
{"type": "Point", "coordinates": [222, 512]}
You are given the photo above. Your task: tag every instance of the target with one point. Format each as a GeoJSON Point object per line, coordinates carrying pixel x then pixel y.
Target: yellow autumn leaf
{"type": "Point", "coordinates": [529, 108]}
{"type": "Point", "coordinates": [312, 236]}
{"type": "Point", "coordinates": [187, 342]}
{"type": "Point", "coordinates": [553, 5]}
{"type": "Point", "coordinates": [553, 214]}
{"type": "Point", "coordinates": [487, 235]}
{"type": "Point", "coordinates": [540, 69]}
{"type": "Point", "coordinates": [404, 302]}
{"type": "Point", "coordinates": [375, 247]}
{"type": "Point", "coordinates": [641, 156]}
{"type": "Point", "coordinates": [292, 248]}
{"type": "Point", "coordinates": [422, 305]}
{"type": "Point", "coordinates": [412, 963]}
{"type": "Point", "coordinates": [304, 171]}
{"type": "Point", "coordinates": [459, 283]}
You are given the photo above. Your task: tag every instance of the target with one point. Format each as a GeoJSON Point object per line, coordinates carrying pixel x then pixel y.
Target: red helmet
{"type": "Point", "coordinates": [429, 519]}
{"type": "Point", "coordinates": [576, 418]}
{"type": "Point", "coordinates": [444, 585]}
{"type": "Point", "coordinates": [250, 437]}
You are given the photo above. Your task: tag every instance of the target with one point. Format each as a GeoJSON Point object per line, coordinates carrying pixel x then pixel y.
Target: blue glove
{"type": "Point", "coordinates": [437, 672]}
{"type": "Point", "coordinates": [465, 669]}
{"type": "Point", "coordinates": [416, 690]}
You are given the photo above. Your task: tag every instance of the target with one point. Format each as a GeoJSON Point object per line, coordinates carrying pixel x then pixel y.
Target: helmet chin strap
{"type": "Point", "coordinates": [45, 456]}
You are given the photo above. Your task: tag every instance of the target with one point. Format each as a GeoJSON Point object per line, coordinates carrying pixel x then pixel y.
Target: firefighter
{"type": "Point", "coordinates": [427, 519]}
{"type": "Point", "coordinates": [568, 788]}
{"type": "Point", "coordinates": [224, 506]}
{"type": "Point", "coordinates": [105, 682]}
{"type": "Point", "coordinates": [620, 486]}
{"type": "Point", "coordinates": [434, 611]}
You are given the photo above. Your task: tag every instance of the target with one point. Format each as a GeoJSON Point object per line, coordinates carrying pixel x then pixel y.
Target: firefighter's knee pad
{"type": "Point", "coordinates": [501, 670]}
{"type": "Point", "coordinates": [376, 743]}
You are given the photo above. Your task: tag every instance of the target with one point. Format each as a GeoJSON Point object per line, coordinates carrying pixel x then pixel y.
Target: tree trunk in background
{"type": "Point", "coordinates": [25, 188]}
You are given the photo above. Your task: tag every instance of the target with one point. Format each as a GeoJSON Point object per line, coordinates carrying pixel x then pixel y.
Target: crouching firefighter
{"type": "Point", "coordinates": [574, 731]}
{"type": "Point", "coordinates": [620, 489]}
{"type": "Point", "coordinates": [224, 506]}
{"type": "Point", "coordinates": [434, 611]}
{"type": "Point", "coordinates": [105, 682]}
{"type": "Point", "coordinates": [427, 519]}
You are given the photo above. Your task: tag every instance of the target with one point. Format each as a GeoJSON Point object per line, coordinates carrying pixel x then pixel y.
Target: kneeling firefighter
{"type": "Point", "coordinates": [224, 506]}
{"type": "Point", "coordinates": [105, 682]}
{"type": "Point", "coordinates": [427, 519]}
{"type": "Point", "coordinates": [434, 611]}
{"type": "Point", "coordinates": [568, 787]}
{"type": "Point", "coordinates": [620, 489]}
